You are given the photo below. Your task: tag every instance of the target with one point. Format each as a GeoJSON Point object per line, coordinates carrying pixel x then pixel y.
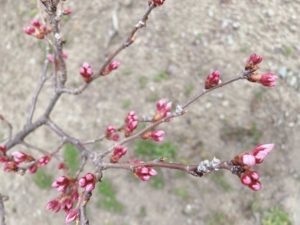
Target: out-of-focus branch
{"type": "Point", "coordinates": [165, 119]}
{"type": "Point", "coordinates": [42, 80]}
{"type": "Point", "coordinates": [2, 209]}
{"type": "Point", "coordinates": [9, 126]}
{"type": "Point", "coordinates": [129, 40]}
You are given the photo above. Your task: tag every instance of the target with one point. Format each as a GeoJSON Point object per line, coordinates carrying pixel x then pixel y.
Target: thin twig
{"type": "Point", "coordinates": [129, 40]}
{"type": "Point", "coordinates": [42, 80]}
{"type": "Point", "coordinates": [9, 126]}
{"type": "Point", "coordinates": [2, 209]}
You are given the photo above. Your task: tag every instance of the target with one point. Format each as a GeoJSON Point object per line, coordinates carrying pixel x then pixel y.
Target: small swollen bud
{"type": "Point", "coordinates": [157, 2]}
{"type": "Point", "coordinates": [10, 166]}
{"type": "Point", "coordinates": [248, 159]}
{"type": "Point", "coordinates": [72, 215]}
{"type": "Point", "coordinates": [88, 182]}
{"type": "Point", "coordinates": [3, 149]}
{"type": "Point", "coordinates": [268, 79]}
{"type": "Point", "coordinates": [20, 157]}
{"type": "Point", "coordinates": [32, 169]}
{"type": "Point", "coordinates": [68, 11]}
{"type": "Point", "coordinates": [163, 109]}
{"type": "Point", "coordinates": [254, 59]}
{"type": "Point", "coordinates": [54, 205]}
{"type": "Point", "coordinates": [118, 153]}
{"type": "Point", "coordinates": [262, 151]}
{"type": "Point", "coordinates": [61, 183]}
{"type": "Point", "coordinates": [255, 186]}
{"type": "Point", "coordinates": [212, 80]}
{"type": "Point", "coordinates": [86, 72]}
{"type": "Point", "coordinates": [112, 66]}
{"type": "Point", "coordinates": [251, 179]}
{"type": "Point", "coordinates": [36, 23]}
{"type": "Point", "coordinates": [131, 122]}
{"type": "Point", "coordinates": [29, 30]}
{"type": "Point", "coordinates": [143, 172]}
{"type": "Point", "coordinates": [158, 135]}
{"type": "Point", "coordinates": [44, 160]}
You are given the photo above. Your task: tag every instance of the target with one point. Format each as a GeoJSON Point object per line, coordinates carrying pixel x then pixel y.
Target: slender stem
{"type": "Point", "coordinates": [206, 91]}
{"type": "Point", "coordinates": [9, 126]}
{"type": "Point", "coordinates": [42, 80]}
{"type": "Point", "coordinates": [129, 40]}
{"type": "Point", "coordinates": [2, 209]}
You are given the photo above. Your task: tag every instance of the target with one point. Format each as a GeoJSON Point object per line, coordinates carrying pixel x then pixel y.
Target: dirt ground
{"type": "Point", "coordinates": [182, 44]}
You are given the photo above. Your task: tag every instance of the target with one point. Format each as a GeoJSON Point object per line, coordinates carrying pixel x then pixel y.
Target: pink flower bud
{"type": "Point", "coordinates": [212, 80]}
{"type": "Point", "coordinates": [68, 11]}
{"type": "Point", "coordinates": [142, 172]}
{"type": "Point", "coordinates": [54, 205]}
{"type": "Point", "coordinates": [157, 2]}
{"type": "Point", "coordinates": [246, 179]}
{"type": "Point", "coordinates": [131, 122]}
{"type": "Point", "coordinates": [254, 59]}
{"type": "Point", "coordinates": [3, 149]}
{"type": "Point", "coordinates": [36, 23]}
{"type": "Point", "coordinates": [72, 215]}
{"type": "Point", "coordinates": [262, 151]}
{"type": "Point", "coordinates": [10, 166]}
{"type": "Point", "coordinates": [255, 186]}
{"type": "Point", "coordinates": [115, 137]}
{"type": "Point", "coordinates": [61, 184]}
{"type": "Point", "coordinates": [163, 109]}
{"type": "Point", "coordinates": [118, 153]}
{"type": "Point", "coordinates": [88, 182]}
{"type": "Point", "coordinates": [29, 30]}
{"type": "Point", "coordinates": [268, 79]}
{"type": "Point", "coordinates": [110, 130]}
{"type": "Point", "coordinates": [44, 160]}
{"type": "Point", "coordinates": [248, 159]}
{"type": "Point", "coordinates": [3, 159]}
{"type": "Point", "coordinates": [158, 135]}
{"type": "Point", "coordinates": [32, 169]}
{"type": "Point", "coordinates": [20, 157]}
{"type": "Point", "coordinates": [67, 204]}
{"type": "Point", "coordinates": [112, 66]}
{"type": "Point", "coordinates": [86, 72]}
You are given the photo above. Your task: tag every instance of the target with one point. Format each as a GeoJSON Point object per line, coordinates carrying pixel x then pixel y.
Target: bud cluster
{"type": "Point", "coordinates": [37, 29]}
{"type": "Point", "coordinates": [248, 160]}
{"type": "Point", "coordinates": [143, 172]}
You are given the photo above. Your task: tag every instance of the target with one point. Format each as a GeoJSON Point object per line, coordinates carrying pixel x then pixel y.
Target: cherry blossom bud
{"type": "Point", "coordinates": [44, 160]}
{"type": "Point", "coordinates": [118, 153]}
{"type": "Point", "coordinates": [86, 72]}
{"type": "Point", "coordinates": [33, 168]}
{"type": "Point", "coordinates": [61, 166]}
{"type": "Point", "coordinates": [110, 130]}
{"type": "Point", "coordinates": [10, 166]}
{"type": "Point", "coordinates": [212, 80]}
{"type": "Point", "coordinates": [3, 159]}
{"type": "Point", "coordinates": [251, 179]}
{"type": "Point", "coordinates": [262, 151]}
{"type": "Point", "coordinates": [163, 109]}
{"type": "Point", "coordinates": [112, 66]}
{"type": "Point", "coordinates": [131, 122]}
{"type": "Point", "coordinates": [54, 205]}
{"type": "Point", "coordinates": [20, 157]}
{"type": "Point", "coordinates": [254, 59]}
{"type": "Point", "coordinates": [3, 149]}
{"type": "Point", "coordinates": [158, 135]}
{"type": "Point", "coordinates": [36, 23]}
{"type": "Point", "coordinates": [68, 11]}
{"type": "Point", "coordinates": [67, 204]}
{"type": "Point", "coordinates": [88, 182]}
{"type": "Point", "coordinates": [142, 172]}
{"type": "Point", "coordinates": [61, 183]}
{"type": "Point", "coordinates": [246, 179]}
{"type": "Point", "coordinates": [29, 30]}
{"type": "Point", "coordinates": [157, 2]}
{"type": "Point", "coordinates": [115, 137]}
{"type": "Point", "coordinates": [248, 159]}
{"type": "Point", "coordinates": [268, 79]}
{"type": "Point", "coordinates": [72, 215]}
{"type": "Point", "coordinates": [255, 186]}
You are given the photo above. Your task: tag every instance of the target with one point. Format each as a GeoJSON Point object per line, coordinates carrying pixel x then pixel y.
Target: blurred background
{"type": "Point", "coordinates": [182, 44]}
